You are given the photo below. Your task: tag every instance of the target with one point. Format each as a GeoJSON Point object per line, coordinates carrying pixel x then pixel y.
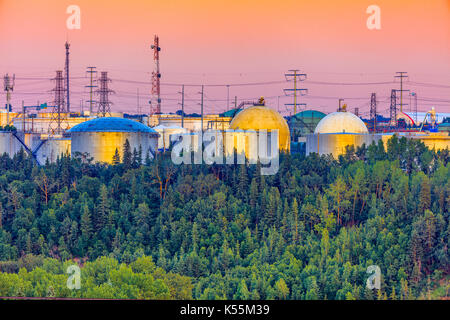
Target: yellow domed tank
{"type": "Point", "coordinates": [260, 117]}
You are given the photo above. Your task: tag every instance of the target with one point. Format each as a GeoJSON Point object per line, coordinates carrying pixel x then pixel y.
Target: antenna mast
{"type": "Point", "coordinates": [155, 107]}
{"type": "Point", "coordinates": [8, 85]}
{"type": "Point", "coordinates": [67, 77]}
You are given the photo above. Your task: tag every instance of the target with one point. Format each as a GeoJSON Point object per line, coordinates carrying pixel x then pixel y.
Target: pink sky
{"type": "Point", "coordinates": [226, 42]}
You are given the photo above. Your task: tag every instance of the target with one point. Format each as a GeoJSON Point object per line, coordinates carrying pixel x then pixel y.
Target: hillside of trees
{"type": "Point", "coordinates": [165, 231]}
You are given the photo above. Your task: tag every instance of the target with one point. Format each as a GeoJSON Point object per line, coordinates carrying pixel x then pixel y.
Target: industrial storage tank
{"type": "Point", "coordinates": [102, 136]}
{"type": "Point", "coordinates": [53, 148]}
{"type": "Point", "coordinates": [260, 117]}
{"type": "Point", "coordinates": [165, 134]}
{"type": "Point", "coordinates": [9, 143]}
{"type": "Point", "coordinates": [341, 122]}
{"type": "Point", "coordinates": [304, 122]}
{"type": "Point", "coordinates": [337, 131]}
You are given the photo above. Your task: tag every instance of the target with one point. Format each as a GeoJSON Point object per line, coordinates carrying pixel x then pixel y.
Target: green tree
{"type": "Point", "coordinates": [281, 289]}
{"type": "Point", "coordinates": [127, 155]}
{"type": "Point", "coordinates": [116, 157]}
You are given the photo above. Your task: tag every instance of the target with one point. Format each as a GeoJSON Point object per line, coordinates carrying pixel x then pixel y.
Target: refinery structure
{"type": "Point", "coordinates": [51, 128]}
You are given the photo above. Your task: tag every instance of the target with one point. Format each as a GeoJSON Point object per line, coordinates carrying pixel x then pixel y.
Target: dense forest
{"type": "Point", "coordinates": [161, 231]}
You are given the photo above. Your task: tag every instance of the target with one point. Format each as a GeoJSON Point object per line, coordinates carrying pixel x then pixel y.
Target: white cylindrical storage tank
{"type": "Point", "coordinates": [9, 143]}
{"type": "Point", "coordinates": [53, 148]}
{"type": "Point", "coordinates": [336, 143]}
{"type": "Point", "coordinates": [99, 138]}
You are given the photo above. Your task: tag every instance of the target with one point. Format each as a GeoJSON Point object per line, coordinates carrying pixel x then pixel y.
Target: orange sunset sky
{"type": "Point", "coordinates": [231, 42]}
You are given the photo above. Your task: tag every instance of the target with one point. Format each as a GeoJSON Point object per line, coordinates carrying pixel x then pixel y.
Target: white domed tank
{"type": "Point", "coordinates": [341, 122]}
{"type": "Point", "coordinates": [102, 136]}
{"type": "Point", "coordinates": [336, 132]}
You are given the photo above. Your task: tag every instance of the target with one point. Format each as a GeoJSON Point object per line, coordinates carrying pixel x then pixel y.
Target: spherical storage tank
{"type": "Point", "coordinates": [100, 137]}
{"type": "Point", "coordinates": [336, 132]}
{"type": "Point", "coordinates": [341, 122]}
{"type": "Point", "coordinates": [260, 117]}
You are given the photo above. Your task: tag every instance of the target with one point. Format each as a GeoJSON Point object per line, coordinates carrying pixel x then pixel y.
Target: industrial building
{"type": "Point", "coordinates": [304, 123]}
{"type": "Point", "coordinates": [191, 123]}
{"type": "Point", "coordinates": [99, 138]}
{"type": "Point", "coordinates": [243, 135]}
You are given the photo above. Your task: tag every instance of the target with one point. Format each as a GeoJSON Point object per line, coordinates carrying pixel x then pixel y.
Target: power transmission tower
{"type": "Point", "coordinates": [228, 97]}
{"type": "Point", "coordinates": [415, 105]}
{"type": "Point", "coordinates": [401, 76]}
{"type": "Point", "coordinates": [104, 105]}
{"type": "Point", "coordinates": [373, 111]}
{"type": "Point", "coordinates": [138, 105]}
{"type": "Point", "coordinates": [201, 104]}
{"type": "Point", "coordinates": [295, 76]}
{"type": "Point", "coordinates": [58, 121]}
{"type": "Point", "coordinates": [182, 106]}
{"type": "Point", "coordinates": [155, 103]}
{"type": "Point", "coordinates": [8, 87]}
{"type": "Point", "coordinates": [67, 78]}
{"type": "Point", "coordinates": [91, 86]}
{"type": "Point", "coordinates": [393, 109]}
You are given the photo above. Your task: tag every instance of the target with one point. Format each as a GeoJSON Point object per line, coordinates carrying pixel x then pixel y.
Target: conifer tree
{"type": "Point", "coordinates": [116, 157]}
{"type": "Point", "coordinates": [127, 155]}
{"type": "Point", "coordinates": [86, 223]}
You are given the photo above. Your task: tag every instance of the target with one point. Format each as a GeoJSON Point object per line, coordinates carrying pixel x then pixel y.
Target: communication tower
{"type": "Point", "coordinates": [155, 103]}
{"type": "Point", "coordinates": [8, 87]}
{"type": "Point", "coordinates": [67, 78]}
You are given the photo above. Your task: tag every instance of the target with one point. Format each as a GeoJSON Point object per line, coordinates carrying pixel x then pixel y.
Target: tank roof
{"type": "Point", "coordinates": [310, 114]}
{"type": "Point", "coordinates": [340, 122]}
{"type": "Point", "coordinates": [111, 124]}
